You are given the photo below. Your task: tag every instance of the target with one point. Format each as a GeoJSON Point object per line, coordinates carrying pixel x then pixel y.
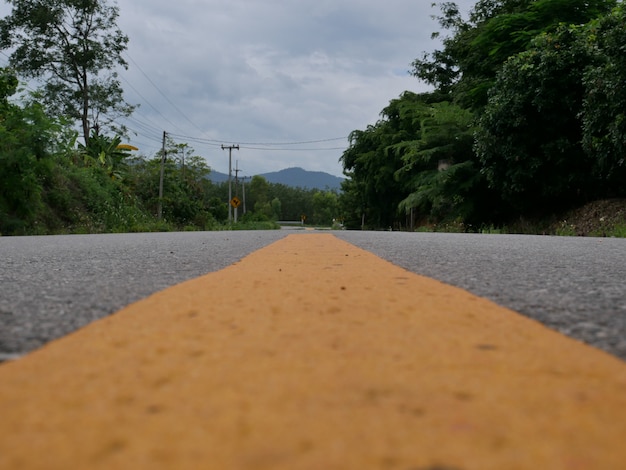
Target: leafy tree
{"type": "Point", "coordinates": [28, 141]}
{"type": "Point", "coordinates": [496, 30]}
{"type": "Point", "coordinates": [294, 202]}
{"type": "Point", "coordinates": [604, 120]}
{"type": "Point", "coordinates": [186, 199]}
{"type": "Point", "coordinates": [372, 161]}
{"type": "Point", "coordinates": [218, 209]}
{"type": "Point", "coordinates": [440, 168]}
{"type": "Point", "coordinates": [418, 157]}
{"type": "Point", "coordinates": [325, 207]}
{"type": "Point", "coordinates": [74, 48]}
{"type": "Point", "coordinates": [352, 203]}
{"type": "Point", "coordinates": [257, 193]}
{"type": "Point", "coordinates": [529, 135]}
{"type": "Point", "coordinates": [276, 207]}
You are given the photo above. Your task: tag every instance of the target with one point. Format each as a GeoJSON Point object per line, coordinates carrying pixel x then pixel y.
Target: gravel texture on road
{"type": "Point", "coordinates": [53, 285]}
{"type": "Point", "coordinates": [574, 285]}
{"type": "Point", "coordinates": [312, 353]}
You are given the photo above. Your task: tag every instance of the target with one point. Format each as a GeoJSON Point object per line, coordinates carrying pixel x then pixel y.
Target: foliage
{"type": "Point", "coordinates": [74, 48]}
{"type": "Point", "coordinates": [604, 103]}
{"type": "Point", "coordinates": [418, 157]}
{"type": "Point", "coordinates": [529, 134]}
{"type": "Point", "coordinates": [184, 186]}
{"type": "Point", "coordinates": [26, 158]}
{"type": "Point", "coordinates": [374, 157]}
{"type": "Point", "coordinates": [496, 30]}
{"type": "Point", "coordinates": [440, 168]}
{"type": "Point", "coordinates": [526, 117]}
{"type": "Point", "coordinates": [107, 152]}
{"type": "Point", "coordinates": [325, 208]}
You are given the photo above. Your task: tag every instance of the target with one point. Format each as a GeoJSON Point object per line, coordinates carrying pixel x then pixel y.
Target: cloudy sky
{"type": "Point", "coordinates": [286, 80]}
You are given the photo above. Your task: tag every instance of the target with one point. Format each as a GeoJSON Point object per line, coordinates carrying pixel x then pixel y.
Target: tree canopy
{"type": "Point", "coordinates": [495, 31]}
{"type": "Point", "coordinates": [74, 48]}
{"type": "Point", "coordinates": [526, 117]}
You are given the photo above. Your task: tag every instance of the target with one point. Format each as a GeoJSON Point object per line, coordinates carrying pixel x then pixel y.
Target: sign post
{"type": "Point", "coordinates": [235, 203]}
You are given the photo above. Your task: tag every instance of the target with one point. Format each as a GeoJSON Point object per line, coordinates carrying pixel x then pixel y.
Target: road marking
{"type": "Point", "coordinates": [9, 357]}
{"type": "Point", "coordinates": [314, 354]}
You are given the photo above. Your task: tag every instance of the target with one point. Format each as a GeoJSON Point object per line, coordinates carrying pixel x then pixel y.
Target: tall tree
{"type": "Point", "coordinates": [28, 140]}
{"type": "Point", "coordinates": [496, 30]}
{"type": "Point", "coordinates": [374, 157]}
{"type": "Point", "coordinates": [74, 47]}
{"type": "Point", "coordinates": [530, 132]}
{"type": "Point", "coordinates": [604, 118]}
{"type": "Point", "coordinates": [440, 170]}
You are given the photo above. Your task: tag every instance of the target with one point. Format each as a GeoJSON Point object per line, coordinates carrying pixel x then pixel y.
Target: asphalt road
{"type": "Point", "coordinates": [574, 285]}
{"type": "Point", "coordinates": [50, 286]}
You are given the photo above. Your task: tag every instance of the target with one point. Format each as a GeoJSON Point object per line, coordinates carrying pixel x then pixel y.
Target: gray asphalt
{"type": "Point", "coordinates": [53, 285]}
{"type": "Point", "coordinates": [50, 286]}
{"type": "Point", "coordinates": [574, 285]}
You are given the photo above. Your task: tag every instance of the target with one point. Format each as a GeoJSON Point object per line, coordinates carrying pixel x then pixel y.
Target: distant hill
{"type": "Point", "coordinates": [296, 177]}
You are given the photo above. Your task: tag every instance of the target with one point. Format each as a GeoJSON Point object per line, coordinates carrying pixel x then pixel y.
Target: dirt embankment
{"type": "Point", "coordinates": [598, 218]}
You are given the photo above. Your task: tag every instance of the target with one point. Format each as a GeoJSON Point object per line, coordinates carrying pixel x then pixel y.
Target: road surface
{"type": "Point", "coordinates": [312, 353]}
{"type": "Point", "coordinates": [52, 285]}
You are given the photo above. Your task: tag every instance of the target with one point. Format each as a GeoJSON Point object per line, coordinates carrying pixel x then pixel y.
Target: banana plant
{"type": "Point", "coordinates": [109, 153]}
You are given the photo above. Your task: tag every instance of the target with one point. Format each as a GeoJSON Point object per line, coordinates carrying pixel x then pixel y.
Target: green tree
{"type": "Point", "coordinates": [74, 47]}
{"type": "Point", "coordinates": [441, 171]}
{"type": "Point", "coordinates": [372, 162]}
{"type": "Point", "coordinates": [107, 152]}
{"type": "Point", "coordinates": [529, 135]}
{"type": "Point", "coordinates": [398, 164]}
{"type": "Point", "coordinates": [276, 207]}
{"type": "Point", "coordinates": [186, 190]}
{"type": "Point", "coordinates": [257, 193]}
{"type": "Point", "coordinates": [325, 207]}
{"type": "Point", "coordinates": [352, 204]}
{"type": "Point", "coordinates": [604, 104]}
{"type": "Point", "coordinates": [28, 142]}
{"type": "Point", "coordinates": [294, 201]}
{"type": "Point", "coordinates": [496, 30]}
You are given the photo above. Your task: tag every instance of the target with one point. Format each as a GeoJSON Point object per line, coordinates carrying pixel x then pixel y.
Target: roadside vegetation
{"type": "Point", "coordinates": [64, 166]}
{"type": "Point", "coordinates": [523, 132]}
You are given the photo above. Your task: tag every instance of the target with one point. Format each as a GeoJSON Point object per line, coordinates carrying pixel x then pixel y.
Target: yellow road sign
{"type": "Point", "coordinates": [235, 202]}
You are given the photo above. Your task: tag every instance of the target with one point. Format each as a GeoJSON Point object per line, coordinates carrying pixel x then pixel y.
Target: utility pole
{"type": "Point", "coordinates": [230, 184]}
{"type": "Point", "coordinates": [237, 170]}
{"type": "Point", "coordinates": [243, 188]}
{"type": "Point", "coordinates": [163, 154]}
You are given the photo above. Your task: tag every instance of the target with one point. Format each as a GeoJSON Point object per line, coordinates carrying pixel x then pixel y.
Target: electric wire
{"type": "Point", "coordinates": [148, 102]}
{"type": "Point", "coordinates": [268, 144]}
{"type": "Point", "coordinates": [161, 93]}
{"type": "Point", "coordinates": [214, 142]}
{"type": "Point", "coordinates": [149, 131]}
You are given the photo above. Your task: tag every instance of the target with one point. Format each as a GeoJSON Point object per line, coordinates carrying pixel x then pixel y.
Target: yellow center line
{"type": "Point", "coordinates": [314, 354]}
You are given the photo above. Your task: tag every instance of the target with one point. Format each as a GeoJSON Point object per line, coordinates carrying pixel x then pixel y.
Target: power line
{"type": "Point", "coordinates": [148, 103]}
{"type": "Point", "coordinates": [149, 126]}
{"type": "Point", "coordinates": [267, 144]}
{"type": "Point", "coordinates": [162, 94]}
{"type": "Point", "coordinates": [294, 149]}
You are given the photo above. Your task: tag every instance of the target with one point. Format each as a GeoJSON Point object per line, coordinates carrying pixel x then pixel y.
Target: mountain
{"type": "Point", "coordinates": [296, 177]}
{"type": "Point", "coordinates": [299, 177]}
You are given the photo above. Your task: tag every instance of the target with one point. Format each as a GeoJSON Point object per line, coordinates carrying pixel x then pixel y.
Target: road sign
{"type": "Point", "coordinates": [235, 202]}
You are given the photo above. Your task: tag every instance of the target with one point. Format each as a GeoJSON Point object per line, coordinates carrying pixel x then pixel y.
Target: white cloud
{"type": "Point", "coordinates": [269, 71]}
